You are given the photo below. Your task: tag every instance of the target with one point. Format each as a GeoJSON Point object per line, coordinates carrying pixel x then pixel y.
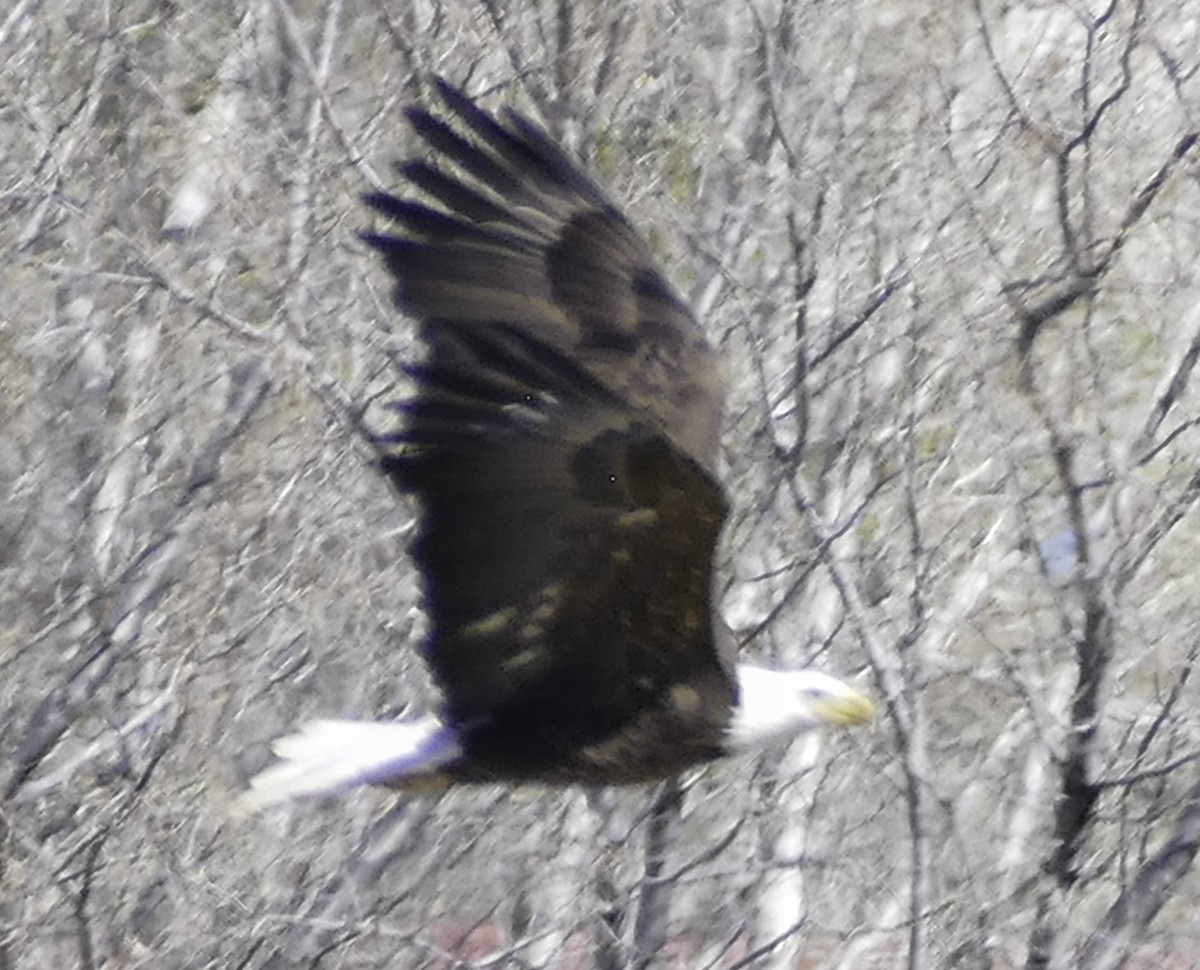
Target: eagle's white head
{"type": "Point", "coordinates": [774, 706]}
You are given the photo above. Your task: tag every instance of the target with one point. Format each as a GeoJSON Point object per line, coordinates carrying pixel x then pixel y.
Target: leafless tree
{"type": "Point", "coordinates": [950, 254]}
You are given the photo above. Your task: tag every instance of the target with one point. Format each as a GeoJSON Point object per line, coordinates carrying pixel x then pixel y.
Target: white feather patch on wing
{"type": "Point", "coordinates": [327, 757]}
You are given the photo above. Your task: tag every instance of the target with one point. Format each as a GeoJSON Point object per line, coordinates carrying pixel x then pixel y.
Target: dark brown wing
{"type": "Point", "coordinates": [557, 442]}
{"type": "Point", "coordinates": [522, 235]}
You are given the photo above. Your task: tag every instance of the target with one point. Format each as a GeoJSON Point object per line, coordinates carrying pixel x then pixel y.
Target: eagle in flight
{"type": "Point", "coordinates": [562, 445]}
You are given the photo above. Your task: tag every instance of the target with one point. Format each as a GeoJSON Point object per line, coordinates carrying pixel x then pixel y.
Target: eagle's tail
{"type": "Point", "coordinates": [327, 757]}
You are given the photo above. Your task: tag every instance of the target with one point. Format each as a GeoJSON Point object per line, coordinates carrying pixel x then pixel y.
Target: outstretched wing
{"type": "Point", "coordinates": [520, 234]}
{"type": "Point", "coordinates": [559, 440]}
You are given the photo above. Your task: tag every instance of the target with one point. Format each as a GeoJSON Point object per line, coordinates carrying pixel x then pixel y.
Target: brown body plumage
{"type": "Point", "coordinates": [555, 442]}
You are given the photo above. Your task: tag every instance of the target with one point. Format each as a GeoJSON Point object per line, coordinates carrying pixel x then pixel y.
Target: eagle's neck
{"type": "Point", "coordinates": [771, 708]}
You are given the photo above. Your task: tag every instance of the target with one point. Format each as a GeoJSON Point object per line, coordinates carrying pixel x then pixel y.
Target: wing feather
{"type": "Point", "coordinates": [560, 441]}
{"type": "Point", "coordinates": [523, 235]}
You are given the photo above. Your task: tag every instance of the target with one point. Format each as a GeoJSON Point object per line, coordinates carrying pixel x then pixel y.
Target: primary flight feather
{"type": "Point", "coordinates": [561, 443]}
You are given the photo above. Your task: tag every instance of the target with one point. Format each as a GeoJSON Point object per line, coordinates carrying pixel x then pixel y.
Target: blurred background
{"type": "Point", "coordinates": [949, 251]}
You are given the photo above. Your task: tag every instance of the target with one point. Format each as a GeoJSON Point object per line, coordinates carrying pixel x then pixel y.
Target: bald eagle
{"type": "Point", "coordinates": [562, 444]}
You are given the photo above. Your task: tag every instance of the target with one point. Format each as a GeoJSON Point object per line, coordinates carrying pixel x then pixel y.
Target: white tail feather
{"type": "Point", "coordinates": [331, 756]}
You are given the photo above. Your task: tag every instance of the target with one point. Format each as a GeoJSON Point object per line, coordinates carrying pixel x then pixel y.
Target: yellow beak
{"type": "Point", "coordinates": [851, 709]}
